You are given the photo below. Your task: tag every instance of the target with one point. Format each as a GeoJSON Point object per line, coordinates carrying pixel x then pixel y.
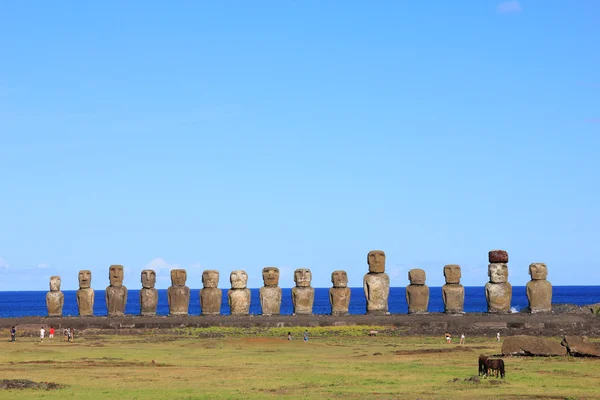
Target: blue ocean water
{"type": "Point", "coordinates": [20, 304]}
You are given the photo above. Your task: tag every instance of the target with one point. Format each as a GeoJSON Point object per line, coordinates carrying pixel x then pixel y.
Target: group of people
{"type": "Point", "coordinates": [449, 338]}
{"type": "Point", "coordinates": [289, 336]}
{"type": "Point", "coordinates": [68, 334]}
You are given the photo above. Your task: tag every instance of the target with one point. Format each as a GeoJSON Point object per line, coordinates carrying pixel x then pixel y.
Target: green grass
{"type": "Point", "coordinates": [233, 363]}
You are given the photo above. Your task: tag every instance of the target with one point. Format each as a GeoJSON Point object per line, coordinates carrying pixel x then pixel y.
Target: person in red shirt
{"type": "Point", "coordinates": [51, 336]}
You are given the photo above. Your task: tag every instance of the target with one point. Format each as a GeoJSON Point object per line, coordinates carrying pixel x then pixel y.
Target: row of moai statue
{"type": "Point", "coordinates": [376, 284]}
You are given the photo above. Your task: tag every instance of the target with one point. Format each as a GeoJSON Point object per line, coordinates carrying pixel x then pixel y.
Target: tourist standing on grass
{"type": "Point", "coordinates": [305, 336]}
{"type": "Point", "coordinates": [462, 338]}
{"type": "Point", "coordinates": [65, 335]}
{"type": "Point", "coordinates": [448, 337]}
{"type": "Point", "coordinates": [68, 334]}
{"type": "Point", "coordinates": [498, 337]}
{"type": "Point", "coordinates": [289, 335]}
{"type": "Point", "coordinates": [51, 335]}
{"type": "Point", "coordinates": [42, 333]}
{"type": "Point", "coordinates": [13, 334]}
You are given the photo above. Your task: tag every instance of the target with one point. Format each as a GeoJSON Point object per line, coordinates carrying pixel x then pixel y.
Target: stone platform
{"type": "Point", "coordinates": [472, 324]}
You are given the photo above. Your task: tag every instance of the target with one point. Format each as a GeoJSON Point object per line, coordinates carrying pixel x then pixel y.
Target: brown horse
{"type": "Point", "coordinates": [496, 365]}
{"type": "Point", "coordinates": [482, 367]}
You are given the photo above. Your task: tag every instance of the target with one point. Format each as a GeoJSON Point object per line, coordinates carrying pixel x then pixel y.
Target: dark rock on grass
{"type": "Point", "coordinates": [522, 345]}
{"type": "Point", "coordinates": [27, 384]}
{"type": "Point", "coordinates": [474, 379]}
{"type": "Point", "coordinates": [376, 354]}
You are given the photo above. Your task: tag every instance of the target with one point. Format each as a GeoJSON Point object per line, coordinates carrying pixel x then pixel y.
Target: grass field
{"type": "Point", "coordinates": [336, 363]}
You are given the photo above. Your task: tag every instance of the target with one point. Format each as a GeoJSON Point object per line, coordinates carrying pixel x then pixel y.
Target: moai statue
{"type": "Point", "coordinates": [239, 295]}
{"type": "Point", "coordinates": [178, 293]}
{"type": "Point", "coordinates": [376, 284]}
{"type": "Point", "coordinates": [417, 293]}
{"type": "Point", "coordinates": [270, 294]}
{"type": "Point", "coordinates": [539, 290]}
{"type": "Point", "coordinates": [339, 294]}
{"type": "Point", "coordinates": [148, 294]}
{"type": "Point", "coordinates": [85, 294]}
{"type": "Point", "coordinates": [210, 296]}
{"type": "Point", "coordinates": [453, 293]}
{"type": "Point", "coordinates": [116, 293]}
{"type": "Point", "coordinates": [303, 295]}
{"type": "Point", "coordinates": [55, 299]}
{"type": "Point", "coordinates": [498, 292]}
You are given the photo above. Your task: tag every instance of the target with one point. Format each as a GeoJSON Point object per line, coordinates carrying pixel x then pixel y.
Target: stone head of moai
{"type": "Point", "coordinates": [148, 278]}
{"type": "Point", "coordinates": [498, 256]}
{"type": "Point", "coordinates": [55, 283]}
{"type": "Point", "coordinates": [452, 273]}
{"type": "Point", "coordinates": [376, 261]}
{"type": "Point", "coordinates": [270, 276]}
{"type": "Point", "coordinates": [416, 276]}
{"type": "Point", "coordinates": [498, 273]}
{"type": "Point", "coordinates": [85, 279]}
{"type": "Point", "coordinates": [302, 277]}
{"type": "Point", "coordinates": [115, 275]}
{"type": "Point", "coordinates": [339, 279]}
{"type": "Point", "coordinates": [238, 279]}
{"type": "Point", "coordinates": [210, 278]}
{"type": "Point", "coordinates": [178, 277]}
{"type": "Point", "coordinates": [538, 271]}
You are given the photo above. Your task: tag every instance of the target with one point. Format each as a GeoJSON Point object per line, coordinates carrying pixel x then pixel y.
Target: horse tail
{"type": "Point", "coordinates": [502, 368]}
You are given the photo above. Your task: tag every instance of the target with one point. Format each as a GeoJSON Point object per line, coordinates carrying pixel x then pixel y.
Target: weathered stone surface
{"type": "Point", "coordinates": [417, 293]}
{"type": "Point", "coordinates": [339, 279]}
{"type": "Point", "coordinates": [210, 295]}
{"type": "Point", "coordinates": [498, 296]}
{"type": "Point", "coordinates": [339, 294]}
{"type": "Point", "coordinates": [539, 290]}
{"type": "Point", "coordinates": [178, 294]}
{"type": "Point", "coordinates": [116, 293]}
{"type": "Point", "coordinates": [55, 299]}
{"type": "Point", "coordinates": [452, 273]}
{"type": "Point", "coordinates": [453, 295]}
{"type": "Point", "coordinates": [498, 272]}
{"type": "Point", "coordinates": [523, 345]}
{"type": "Point", "coordinates": [498, 256]}
{"type": "Point", "coordinates": [85, 294]}
{"type": "Point", "coordinates": [579, 346]}
{"type": "Point", "coordinates": [270, 294]}
{"type": "Point", "coordinates": [148, 294]}
{"type": "Point", "coordinates": [239, 296]}
{"type": "Point", "coordinates": [377, 289]}
{"type": "Point", "coordinates": [376, 261]}
{"type": "Point", "coordinates": [270, 276]}
{"type": "Point", "coordinates": [303, 295]}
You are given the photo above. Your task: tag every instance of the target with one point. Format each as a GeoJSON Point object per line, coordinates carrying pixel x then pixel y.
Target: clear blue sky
{"type": "Point", "coordinates": [237, 135]}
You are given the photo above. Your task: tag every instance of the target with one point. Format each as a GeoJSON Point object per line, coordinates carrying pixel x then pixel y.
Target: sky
{"type": "Point", "coordinates": [237, 135]}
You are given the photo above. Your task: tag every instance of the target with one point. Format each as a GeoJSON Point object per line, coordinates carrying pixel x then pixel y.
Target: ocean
{"type": "Point", "coordinates": [33, 303]}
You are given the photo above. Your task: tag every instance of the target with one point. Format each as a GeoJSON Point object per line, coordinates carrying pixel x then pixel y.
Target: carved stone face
{"type": "Point", "coordinates": [339, 278]}
{"type": "Point", "coordinates": [148, 278]}
{"type": "Point", "coordinates": [210, 278]}
{"type": "Point", "coordinates": [416, 276]}
{"type": "Point", "coordinates": [85, 279]}
{"type": "Point", "coordinates": [55, 283]}
{"type": "Point", "coordinates": [538, 271]}
{"type": "Point", "coordinates": [376, 261]}
{"type": "Point", "coordinates": [498, 273]}
{"type": "Point", "coordinates": [270, 276]}
{"type": "Point", "coordinates": [115, 275]}
{"type": "Point", "coordinates": [238, 279]}
{"type": "Point", "coordinates": [178, 277]}
{"type": "Point", "coordinates": [452, 273]}
{"type": "Point", "coordinates": [302, 277]}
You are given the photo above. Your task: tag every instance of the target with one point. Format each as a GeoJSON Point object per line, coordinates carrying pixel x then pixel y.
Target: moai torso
{"type": "Point", "coordinates": [417, 293]}
{"type": "Point", "coordinates": [55, 299]}
{"type": "Point", "coordinates": [178, 295]}
{"type": "Point", "coordinates": [339, 294]}
{"type": "Point", "coordinates": [239, 295]}
{"type": "Point", "coordinates": [498, 292]}
{"type": "Point", "coordinates": [210, 295]}
{"type": "Point", "coordinates": [303, 295]}
{"type": "Point", "coordinates": [539, 290]}
{"type": "Point", "coordinates": [148, 294]}
{"type": "Point", "coordinates": [453, 293]}
{"type": "Point", "coordinates": [376, 284]}
{"type": "Point", "coordinates": [85, 294]}
{"type": "Point", "coordinates": [270, 293]}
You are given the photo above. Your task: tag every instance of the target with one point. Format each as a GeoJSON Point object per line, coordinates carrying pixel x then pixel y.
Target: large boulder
{"type": "Point", "coordinates": [523, 345]}
{"type": "Point", "coordinates": [579, 346]}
